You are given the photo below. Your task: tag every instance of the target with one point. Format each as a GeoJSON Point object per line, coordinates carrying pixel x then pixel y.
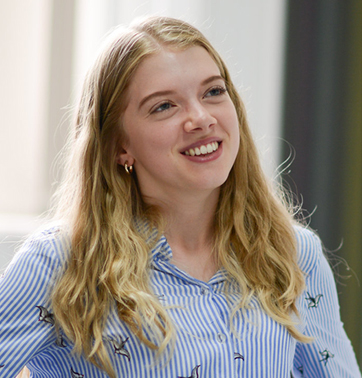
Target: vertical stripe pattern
{"type": "Point", "coordinates": [206, 346]}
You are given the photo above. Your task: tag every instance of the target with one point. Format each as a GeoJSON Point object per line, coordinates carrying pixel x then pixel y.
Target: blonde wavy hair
{"type": "Point", "coordinates": [108, 265]}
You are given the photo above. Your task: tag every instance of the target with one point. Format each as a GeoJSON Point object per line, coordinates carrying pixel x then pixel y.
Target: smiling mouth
{"type": "Point", "coordinates": [204, 149]}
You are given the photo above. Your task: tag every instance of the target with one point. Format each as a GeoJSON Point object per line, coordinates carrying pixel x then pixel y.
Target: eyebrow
{"type": "Point", "coordinates": [212, 78]}
{"type": "Point", "coordinates": [168, 92]}
{"type": "Point", "coordinates": [152, 95]}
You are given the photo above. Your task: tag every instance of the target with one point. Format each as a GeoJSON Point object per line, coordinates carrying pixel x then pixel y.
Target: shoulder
{"type": "Point", "coordinates": [49, 246]}
{"type": "Point", "coordinates": [309, 248]}
{"type": "Point", "coordinates": [25, 297]}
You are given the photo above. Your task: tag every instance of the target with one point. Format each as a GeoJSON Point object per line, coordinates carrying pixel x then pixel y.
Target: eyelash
{"type": "Point", "coordinates": [221, 90]}
{"type": "Point", "coordinates": [157, 109]}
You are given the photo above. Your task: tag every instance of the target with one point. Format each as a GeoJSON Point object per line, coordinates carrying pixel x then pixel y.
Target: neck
{"type": "Point", "coordinates": [189, 232]}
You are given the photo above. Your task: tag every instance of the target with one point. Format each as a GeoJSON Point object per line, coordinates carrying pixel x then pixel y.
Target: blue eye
{"type": "Point", "coordinates": [216, 91]}
{"type": "Point", "coordinates": [162, 107]}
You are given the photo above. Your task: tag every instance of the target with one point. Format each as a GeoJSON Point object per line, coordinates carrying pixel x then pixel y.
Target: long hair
{"type": "Point", "coordinates": [108, 266]}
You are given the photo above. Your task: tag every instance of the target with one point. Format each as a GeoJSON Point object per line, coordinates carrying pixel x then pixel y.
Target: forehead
{"type": "Point", "coordinates": [171, 64]}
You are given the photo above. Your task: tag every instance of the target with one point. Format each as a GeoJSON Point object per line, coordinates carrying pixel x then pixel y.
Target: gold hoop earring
{"type": "Point", "coordinates": [128, 169]}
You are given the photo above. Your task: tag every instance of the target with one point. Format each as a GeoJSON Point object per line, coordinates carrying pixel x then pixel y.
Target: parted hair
{"type": "Point", "coordinates": [109, 265]}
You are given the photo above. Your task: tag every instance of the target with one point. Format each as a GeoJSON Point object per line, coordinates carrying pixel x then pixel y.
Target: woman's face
{"type": "Point", "coordinates": [181, 125]}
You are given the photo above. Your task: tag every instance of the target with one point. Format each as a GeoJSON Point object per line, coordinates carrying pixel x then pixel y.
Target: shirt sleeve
{"type": "Point", "coordinates": [26, 321]}
{"type": "Point", "coordinates": [330, 354]}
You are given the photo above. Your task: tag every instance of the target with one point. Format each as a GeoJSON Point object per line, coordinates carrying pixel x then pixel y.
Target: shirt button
{"type": "Point", "coordinates": [221, 338]}
{"type": "Point", "coordinates": [204, 291]}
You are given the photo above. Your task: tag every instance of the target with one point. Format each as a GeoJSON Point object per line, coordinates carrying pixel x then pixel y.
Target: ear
{"type": "Point", "coordinates": [124, 157]}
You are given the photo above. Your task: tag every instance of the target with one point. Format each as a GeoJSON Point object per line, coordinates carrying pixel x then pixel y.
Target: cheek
{"type": "Point", "coordinates": [148, 143]}
{"type": "Point", "coordinates": [162, 136]}
{"type": "Point", "coordinates": [234, 130]}
{"type": "Point", "coordinates": [232, 123]}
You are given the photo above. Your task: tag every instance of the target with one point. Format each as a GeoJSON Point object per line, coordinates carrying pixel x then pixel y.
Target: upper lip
{"type": "Point", "coordinates": [202, 142]}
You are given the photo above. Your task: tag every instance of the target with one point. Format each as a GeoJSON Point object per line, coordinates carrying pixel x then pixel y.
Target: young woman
{"type": "Point", "coordinates": [171, 256]}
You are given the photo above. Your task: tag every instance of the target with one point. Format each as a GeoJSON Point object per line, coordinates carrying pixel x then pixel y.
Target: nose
{"type": "Point", "coordinates": [198, 118]}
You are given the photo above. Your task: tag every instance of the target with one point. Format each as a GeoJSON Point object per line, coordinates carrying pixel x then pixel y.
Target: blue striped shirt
{"type": "Point", "coordinates": [207, 346]}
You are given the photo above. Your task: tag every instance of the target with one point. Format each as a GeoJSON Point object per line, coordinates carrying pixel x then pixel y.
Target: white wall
{"type": "Point", "coordinates": [23, 75]}
{"type": "Point", "coordinates": [24, 48]}
{"type": "Point", "coordinates": [46, 46]}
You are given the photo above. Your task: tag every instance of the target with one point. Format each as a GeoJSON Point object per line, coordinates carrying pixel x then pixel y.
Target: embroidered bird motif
{"type": "Point", "coordinates": [313, 302]}
{"type": "Point", "coordinates": [60, 342]}
{"type": "Point", "coordinates": [326, 354]}
{"type": "Point", "coordinates": [300, 369]}
{"type": "Point", "coordinates": [75, 374]}
{"type": "Point", "coordinates": [120, 349]}
{"type": "Point", "coordinates": [238, 356]}
{"type": "Point", "coordinates": [1, 366]}
{"type": "Point", "coordinates": [161, 297]}
{"type": "Point", "coordinates": [194, 373]}
{"type": "Point", "coordinates": [45, 315]}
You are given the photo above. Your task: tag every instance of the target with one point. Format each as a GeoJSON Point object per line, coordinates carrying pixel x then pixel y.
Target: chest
{"type": "Point", "coordinates": [209, 342]}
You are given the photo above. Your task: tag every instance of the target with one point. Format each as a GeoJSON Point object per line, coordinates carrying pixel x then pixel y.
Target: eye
{"type": "Point", "coordinates": [215, 91]}
{"type": "Point", "coordinates": [162, 107]}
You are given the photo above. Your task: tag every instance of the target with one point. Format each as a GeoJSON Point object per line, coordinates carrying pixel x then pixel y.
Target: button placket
{"type": "Point", "coordinates": [204, 291]}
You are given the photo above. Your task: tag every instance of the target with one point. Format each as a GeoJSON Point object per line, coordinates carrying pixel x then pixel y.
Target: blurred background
{"type": "Point", "coordinates": [297, 64]}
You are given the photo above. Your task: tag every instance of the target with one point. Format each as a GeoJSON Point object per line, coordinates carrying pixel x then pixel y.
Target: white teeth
{"type": "Point", "coordinates": [203, 150]}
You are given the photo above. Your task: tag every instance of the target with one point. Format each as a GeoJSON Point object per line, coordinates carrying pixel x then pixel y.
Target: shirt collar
{"type": "Point", "coordinates": [162, 250]}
